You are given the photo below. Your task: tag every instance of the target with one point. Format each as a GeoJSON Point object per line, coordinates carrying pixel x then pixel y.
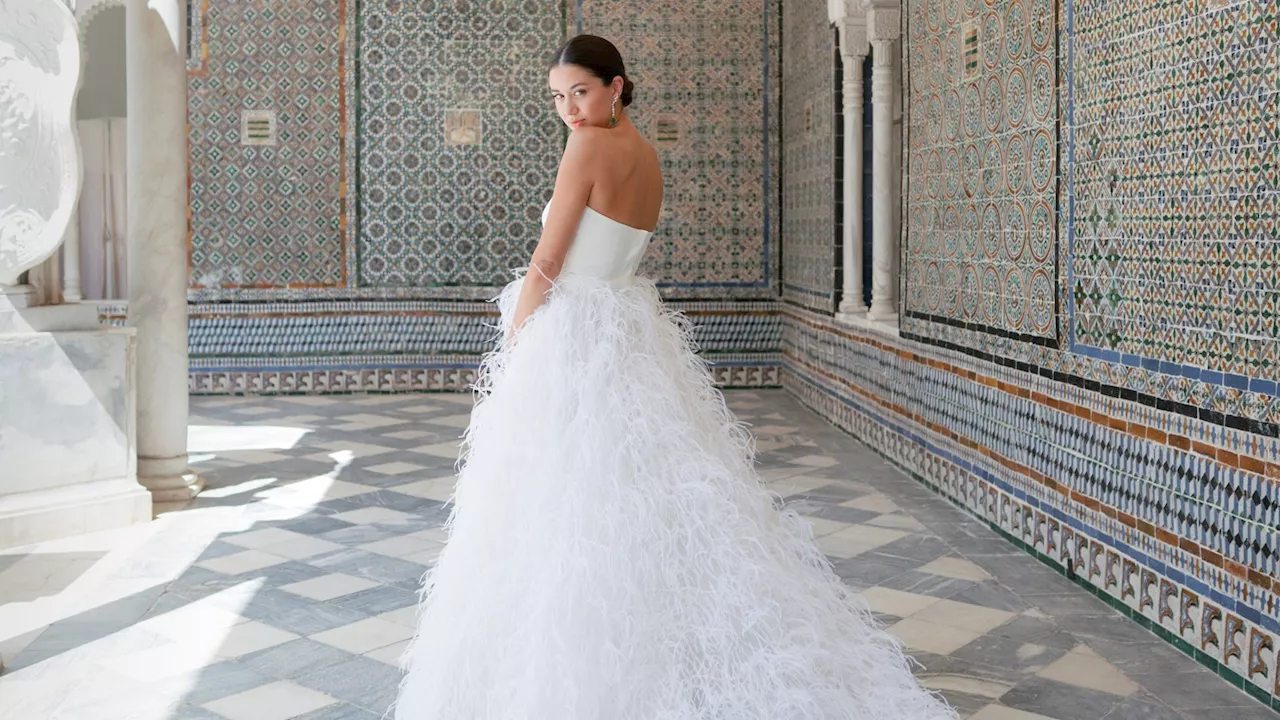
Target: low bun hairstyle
{"type": "Point", "coordinates": [628, 91]}
{"type": "Point", "coordinates": [600, 57]}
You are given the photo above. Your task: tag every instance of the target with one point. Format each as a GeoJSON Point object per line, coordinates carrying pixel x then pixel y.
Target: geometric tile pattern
{"type": "Point", "coordinates": [982, 164]}
{"type": "Point", "coordinates": [1174, 522]}
{"type": "Point", "coordinates": [407, 346]}
{"type": "Point", "coordinates": [288, 590]}
{"type": "Point", "coordinates": [706, 77]}
{"type": "Point", "coordinates": [809, 173]}
{"type": "Point", "coordinates": [434, 213]}
{"type": "Point", "coordinates": [1176, 141]}
{"type": "Point", "coordinates": [395, 328]}
{"type": "Point", "coordinates": [267, 216]}
{"type": "Point", "coordinates": [1215, 370]}
{"type": "Point", "coordinates": [410, 374]}
{"type": "Point", "coordinates": [279, 230]}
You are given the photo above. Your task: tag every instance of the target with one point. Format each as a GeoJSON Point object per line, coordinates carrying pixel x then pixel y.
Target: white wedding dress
{"type": "Point", "coordinates": [612, 554]}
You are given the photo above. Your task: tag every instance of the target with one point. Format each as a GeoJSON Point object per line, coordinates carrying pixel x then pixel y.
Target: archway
{"type": "Point", "coordinates": [99, 273]}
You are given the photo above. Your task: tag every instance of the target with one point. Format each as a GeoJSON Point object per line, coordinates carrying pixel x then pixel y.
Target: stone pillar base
{"type": "Point", "coordinates": [67, 418]}
{"type": "Point", "coordinates": [170, 489]}
{"type": "Point", "coordinates": [882, 314]}
{"type": "Point", "coordinates": [848, 316]}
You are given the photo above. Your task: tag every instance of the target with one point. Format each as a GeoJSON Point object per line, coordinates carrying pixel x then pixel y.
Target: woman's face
{"type": "Point", "coordinates": [581, 98]}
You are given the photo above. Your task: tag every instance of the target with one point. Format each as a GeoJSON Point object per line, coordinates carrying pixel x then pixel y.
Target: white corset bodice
{"type": "Point", "coordinates": [604, 248]}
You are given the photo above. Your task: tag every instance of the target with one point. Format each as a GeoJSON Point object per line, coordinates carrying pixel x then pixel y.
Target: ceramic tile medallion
{"type": "Point", "coordinates": [981, 205]}
{"type": "Point", "coordinates": [1176, 242]}
{"type": "Point", "coordinates": [459, 141]}
{"type": "Point", "coordinates": [713, 67]}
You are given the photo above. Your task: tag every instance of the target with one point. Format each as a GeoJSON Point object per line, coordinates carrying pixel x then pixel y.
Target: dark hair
{"type": "Point", "coordinates": [600, 57]}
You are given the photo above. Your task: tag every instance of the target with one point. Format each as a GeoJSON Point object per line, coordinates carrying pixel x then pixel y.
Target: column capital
{"type": "Point", "coordinates": [884, 20]}
{"type": "Point", "coordinates": [853, 33]}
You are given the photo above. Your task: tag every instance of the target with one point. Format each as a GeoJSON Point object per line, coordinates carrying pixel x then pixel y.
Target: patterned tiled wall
{"type": "Point", "coordinates": [1173, 346]}
{"type": "Point", "coordinates": [416, 145]}
{"type": "Point", "coordinates": [1176, 147]}
{"type": "Point", "coordinates": [267, 216]}
{"type": "Point", "coordinates": [396, 346]}
{"type": "Point", "coordinates": [1149, 474]}
{"type": "Point", "coordinates": [435, 212]}
{"type": "Point", "coordinates": [809, 139]}
{"type": "Point", "coordinates": [982, 164]}
{"type": "Point", "coordinates": [707, 80]}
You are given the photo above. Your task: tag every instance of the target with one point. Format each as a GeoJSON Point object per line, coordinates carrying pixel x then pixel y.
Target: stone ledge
{"type": "Point", "coordinates": [39, 515]}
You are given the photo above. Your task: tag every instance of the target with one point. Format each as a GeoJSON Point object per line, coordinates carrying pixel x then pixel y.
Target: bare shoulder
{"type": "Point", "coordinates": [586, 148]}
{"type": "Point", "coordinates": [587, 139]}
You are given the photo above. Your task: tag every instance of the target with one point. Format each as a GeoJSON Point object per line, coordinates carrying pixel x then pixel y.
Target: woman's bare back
{"type": "Point", "coordinates": [628, 174]}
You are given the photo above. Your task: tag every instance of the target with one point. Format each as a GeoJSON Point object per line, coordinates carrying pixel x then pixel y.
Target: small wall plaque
{"type": "Point", "coordinates": [258, 127]}
{"type": "Point", "coordinates": [462, 127]}
{"type": "Point", "coordinates": [970, 49]}
{"type": "Point", "coordinates": [808, 116]}
{"type": "Point", "coordinates": [667, 131]}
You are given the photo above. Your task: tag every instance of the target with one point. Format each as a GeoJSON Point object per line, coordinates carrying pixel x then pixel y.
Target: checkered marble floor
{"type": "Point", "coordinates": [287, 590]}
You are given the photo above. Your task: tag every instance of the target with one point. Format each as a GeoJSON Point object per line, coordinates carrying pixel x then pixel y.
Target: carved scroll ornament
{"type": "Point", "coordinates": [39, 150]}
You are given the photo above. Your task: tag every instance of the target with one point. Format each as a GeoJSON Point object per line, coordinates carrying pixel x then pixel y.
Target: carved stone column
{"type": "Point", "coordinates": [853, 50]}
{"type": "Point", "coordinates": [155, 62]}
{"type": "Point", "coordinates": [883, 25]}
{"type": "Point", "coordinates": [71, 288]}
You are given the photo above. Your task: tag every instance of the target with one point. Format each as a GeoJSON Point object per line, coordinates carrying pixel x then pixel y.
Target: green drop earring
{"type": "Point", "coordinates": [613, 112]}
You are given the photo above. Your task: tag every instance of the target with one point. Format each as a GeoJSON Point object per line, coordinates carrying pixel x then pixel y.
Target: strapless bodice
{"type": "Point", "coordinates": [604, 248]}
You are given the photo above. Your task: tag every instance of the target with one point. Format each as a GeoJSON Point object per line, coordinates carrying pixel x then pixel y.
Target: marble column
{"type": "Point", "coordinates": [155, 61]}
{"type": "Point", "coordinates": [883, 28]}
{"type": "Point", "coordinates": [71, 288]}
{"type": "Point", "coordinates": [853, 49]}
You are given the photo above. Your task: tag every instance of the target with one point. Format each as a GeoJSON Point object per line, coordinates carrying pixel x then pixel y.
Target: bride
{"type": "Point", "coordinates": [612, 554]}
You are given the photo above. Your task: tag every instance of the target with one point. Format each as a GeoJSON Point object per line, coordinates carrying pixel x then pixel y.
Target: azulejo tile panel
{"type": "Point", "coordinates": [409, 346]}
{"type": "Point", "coordinates": [808, 166]}
{"type": "Point", "coordinates": [1176, 231]}
{"type": "Point", "coordinates": [267, 216]}
{"type": "Point", "coordinates": [1174, 522]}
{"type": "Point", "coordinates": [1247, 399]}
{"type": "Point", "coordinates": [442, 208]}
{"type": "Point", "coordinates": [706, 75]}
{"type": "Point", "coordinates": [723, 167]}
{"type": "Point", "coordinates": [282, 334]}
{"type": "Point", "coordinates": [981, 205]}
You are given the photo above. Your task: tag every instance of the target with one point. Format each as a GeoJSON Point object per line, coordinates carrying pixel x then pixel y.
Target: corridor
{"type": "Point", "coordinates": [288, 589]}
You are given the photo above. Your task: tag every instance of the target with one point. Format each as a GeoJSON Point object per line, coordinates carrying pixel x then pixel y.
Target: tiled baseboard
{"type": "Point", "coordinates": [1179, 609]}
{"type": "Point", "coordinates": [448, 375]}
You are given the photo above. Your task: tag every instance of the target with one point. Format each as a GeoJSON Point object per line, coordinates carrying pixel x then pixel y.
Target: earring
{"type": "Point", "coordinates": [613, 112]}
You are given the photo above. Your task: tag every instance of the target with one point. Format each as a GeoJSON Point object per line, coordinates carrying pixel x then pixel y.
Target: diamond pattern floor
{"type": "Point", "coordinates": [288, 589]}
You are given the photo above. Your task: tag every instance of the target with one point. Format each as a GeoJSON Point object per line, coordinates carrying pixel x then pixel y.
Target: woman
{"type": "Point", "coordinates": [612, 553]}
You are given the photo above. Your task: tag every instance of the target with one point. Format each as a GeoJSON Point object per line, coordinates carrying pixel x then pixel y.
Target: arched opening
{"type": "Point", "coordinates": [100, 112]}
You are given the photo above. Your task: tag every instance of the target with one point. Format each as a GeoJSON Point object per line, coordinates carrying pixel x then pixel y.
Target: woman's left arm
{"type": "Point", "coordinates": [568, 202]}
